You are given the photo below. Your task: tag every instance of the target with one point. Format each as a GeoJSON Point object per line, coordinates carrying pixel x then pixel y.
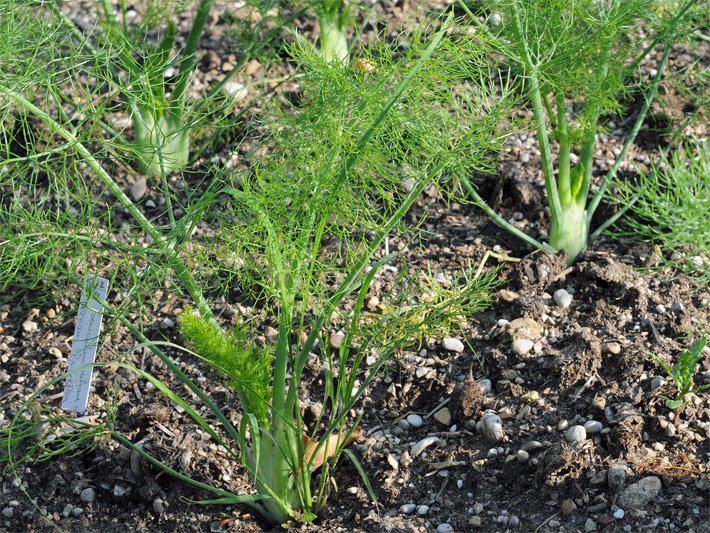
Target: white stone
{"type": "Point", "coordinates": [443, 416]}
{"type": "Point", "coordinates": [415, 420]}
{"type": "Point", "coordinates": [619, 513]}
{"type": "Point", "coordinates": [640, 493]}
{"type": "Point", "coordinates": [562, 298]}
{"type": "Point", "coordinates": [422, 445]}
{"type": "Point", "coordinates": [444, 528]}
{"type": "Point", "coordinates": [485, 385]}
{"type": "Point", "coordinates": [522, 346]}
{"type": "Point", "coordinates": [492, 427]}
{"type": "Point", "coordinates": [235, 89]}
{"type": "Point", "coordinates": [138, 189]}
{"type": "Point", "coordinates": [407, 508]}
{"type": "Point", "coordinates": [576, 434]}
{"type": "Point", "coordinates": [422, 509]}
{"type": "Point", "coordinates": [87, 495]}
{"type": "Point", "coordinates": [657, 382]}
{"type": "Point", "coordinates": [592, 426]}
{"type": "Point", "coordinates": [452, 345]}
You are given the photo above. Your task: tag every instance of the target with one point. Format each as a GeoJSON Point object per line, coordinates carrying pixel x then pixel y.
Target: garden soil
{"type": "Point", "coordinates": [547, 417]}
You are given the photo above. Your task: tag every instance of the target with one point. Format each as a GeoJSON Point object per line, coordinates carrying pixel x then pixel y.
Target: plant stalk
{"type": "Point", "coordinates": [174, 260]}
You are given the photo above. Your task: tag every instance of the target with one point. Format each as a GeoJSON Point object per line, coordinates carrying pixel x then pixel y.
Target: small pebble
{"type": "Point", "coordinates": [514, 521]}
{"type": "Point", "coordinates": [422, 509]}
{"type": "Point", "coordinates": [576, 434]}
{"type": "Point", "coordinates": [138, 189]}
{"type": "Point", "coordinates": [475, 521]}
{"type": "Point", "coordinates": [453, 345]}
{"type": "Point", "coordinates": [459, 483]}
{"type": "Point", "coordinates": [660, 308]}
{"type": "Point", "coordinates": [336, 339]}
{"type": "Point", "coordinates": [613, 348]}
{"type": "Point", "coordinates": [618, 514]}
{"type": "Point", "coordinates": [158, 506]}
{"type": "Point", "coordinates": [443, 416]}
{"type": "Point", "coordinates": [55, 352]}
{"type": "Point", "coordinates": [523, 456]}
{"type": "Point", "coordinates": [407, 508]}
{"type": "Point", "coordinates": [657, 382]}
{"type": "Point", "coordinates": [592, 426]}
{"type": "Point", "coordinates": [422, 445]}
{"type": "Point", "coordinates": [677, 307]}
{"type": "Point", "coordinates": [531, 445]}
{"type": "Point", "coordinates": [485, 385]}
{"type": "Point", "coordinates": [87, 495]}
{"type": "Point", "coordinates": [590, 525]}
{"type": "Point", "coordinates": [444, 528]}
{"type": "Point", "coordinates": [522, 346]}
{"type": "Point", "coordinates": [77, 511]}
{"type": "Point", "coordinates": [640, 493]}
{"type": "Point", "coordinates": [119, 491]}
{"type": "Point", "coordinates": [567, 507]}
{"type": "Point", "coordinates": [422, 371]}
{"type": "Point", "coordinates": [562, 298]}
{"type": "Point", "coordinates": [8, 512]}
{"type": "Point", "coordinates": [404, 424]}
{"type": "Point", "coordinates": [29, 326]}
{"type": "Point", "coordinates": [492, 427]}
{"type": "Point", "coordinates": [415, 420]}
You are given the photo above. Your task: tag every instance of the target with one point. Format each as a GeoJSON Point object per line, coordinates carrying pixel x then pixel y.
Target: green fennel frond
{"type": "Point", "coordinates": [247, 366]}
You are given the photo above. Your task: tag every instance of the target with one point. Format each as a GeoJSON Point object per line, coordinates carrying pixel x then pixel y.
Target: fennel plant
{"type": "Point", "coordinates": [307, 220]}
{"type": "Point", "coordinates": [161, 124]}
{"type": "Point", "coordinates": [575, 61]}
{"type": "Point", "coordinates": [123, 58]}
{"type": "Point", "coordinates": [306, 215]}
{"type": "Point", "coordinates": [334, 16]}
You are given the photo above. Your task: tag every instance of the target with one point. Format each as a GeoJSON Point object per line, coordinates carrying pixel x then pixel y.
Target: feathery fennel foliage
{"type": "Point", "coordinates": [669, 206]}
{"type": "Point", "coordinates": [575, 61]}
{"type": "Point", "coordinates": [62, 158]}
{"type": "Point", "coordinates": [247, 366]}
{"type": "Point", "coordinates": [310, 216]}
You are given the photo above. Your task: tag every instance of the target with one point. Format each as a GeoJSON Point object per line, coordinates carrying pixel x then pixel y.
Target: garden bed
{"type": "Point", "coordinates": [558, 348]}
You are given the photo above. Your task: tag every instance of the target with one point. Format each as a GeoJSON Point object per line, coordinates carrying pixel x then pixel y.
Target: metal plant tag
{"type": "Point", "coordinates": [86, 339]}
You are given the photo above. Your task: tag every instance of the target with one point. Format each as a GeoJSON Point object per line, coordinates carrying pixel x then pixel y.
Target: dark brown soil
{"type": "Point", "coordinates": [586, 362]}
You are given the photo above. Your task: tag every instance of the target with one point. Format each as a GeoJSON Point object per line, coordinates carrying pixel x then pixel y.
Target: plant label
{"type": "Point", "coordinates": [85, 344]}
